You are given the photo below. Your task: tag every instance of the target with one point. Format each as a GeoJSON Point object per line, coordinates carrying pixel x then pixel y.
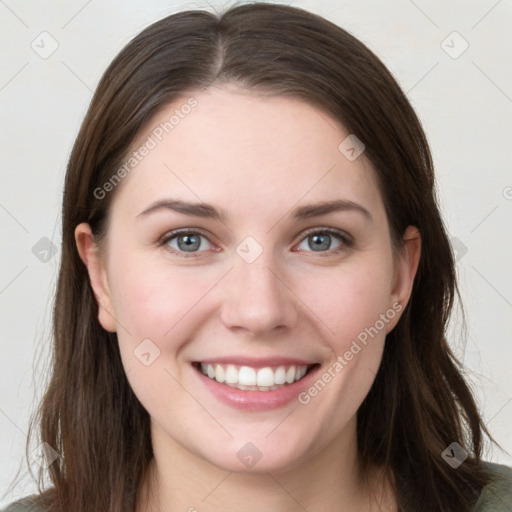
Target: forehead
{"type": "Point", "coordinates": [247, 150]}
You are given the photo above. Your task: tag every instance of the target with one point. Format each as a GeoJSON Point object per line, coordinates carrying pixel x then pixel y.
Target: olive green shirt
{"type": "Point", "coordinates": [495, 497]}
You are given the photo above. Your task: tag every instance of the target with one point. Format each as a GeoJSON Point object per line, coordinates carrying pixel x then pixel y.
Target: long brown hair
{"type": "Point", "coordinates": [419, 403]}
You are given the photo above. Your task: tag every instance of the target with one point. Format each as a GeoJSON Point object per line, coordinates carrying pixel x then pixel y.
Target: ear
{"type": "Point", "coordinates": [406, 267]}
{"type": "Point", "coordinates": [89, 254]}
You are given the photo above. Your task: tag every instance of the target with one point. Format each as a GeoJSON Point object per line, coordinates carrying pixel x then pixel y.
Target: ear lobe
{"type": "Point", "coordinates": [90, 256]}
{"type": "Point", "coordinates": [405, 270]}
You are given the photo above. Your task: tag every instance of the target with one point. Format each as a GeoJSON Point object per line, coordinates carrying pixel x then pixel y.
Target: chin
{"type": "Point", "coordinates": [256, 457]}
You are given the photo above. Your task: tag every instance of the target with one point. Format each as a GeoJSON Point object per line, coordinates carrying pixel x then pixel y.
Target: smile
{"type": "Point", "coordinates": [247, 378]}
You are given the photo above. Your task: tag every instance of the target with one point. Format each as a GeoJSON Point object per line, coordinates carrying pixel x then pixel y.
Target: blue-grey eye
{"type": "Point", "coordinates": [187, 241]}
{"type": "Point", "coordinates": [321, 241]}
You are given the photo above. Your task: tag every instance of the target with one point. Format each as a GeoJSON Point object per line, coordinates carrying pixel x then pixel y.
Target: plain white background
{"type": "Point", "coordinates": [462, 95]}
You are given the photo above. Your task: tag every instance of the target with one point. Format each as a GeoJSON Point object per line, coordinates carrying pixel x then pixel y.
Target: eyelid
{"type": "Point", "coordinates": [171, 234]}
{"type": "Point", "coordinates": [347, 239]}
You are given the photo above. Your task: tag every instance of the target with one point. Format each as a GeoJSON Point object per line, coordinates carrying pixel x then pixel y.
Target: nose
{"type": "Point", "coordinates": [257, 298]}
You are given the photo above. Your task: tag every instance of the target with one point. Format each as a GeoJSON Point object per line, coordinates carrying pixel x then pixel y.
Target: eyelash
{"type": "Point", "coordinates": [344, 238]}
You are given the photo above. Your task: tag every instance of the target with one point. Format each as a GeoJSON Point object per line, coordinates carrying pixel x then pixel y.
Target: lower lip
{"type": "Point", "coordinates": [257, 400]}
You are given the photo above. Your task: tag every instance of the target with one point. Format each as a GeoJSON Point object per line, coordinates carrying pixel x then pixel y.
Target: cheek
{"type": "Point", "coordinates": [349, 299]}
{"type": "Point", "coordinates": [150, 296]}
{"type": "Point", "coordinates": [154, 307]}
{"type": "Point", "coordinates": [355, 308]}
{"type": "Point", "coordinates": [159, 303]}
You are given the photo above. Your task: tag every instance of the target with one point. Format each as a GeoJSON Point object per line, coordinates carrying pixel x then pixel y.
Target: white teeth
{"type": "Point", "coordinates": [265, 377]}
{"type": "Point", "coordinates": [290, 374]}
{"type": "Point", "coordinates": [280, 375]}
{"type": "Point", "coordinates": [220, 376]}
{"type": "Point", "coordinates": [247, 378]}
{"type": "Point", "coordinates": [231, 374]}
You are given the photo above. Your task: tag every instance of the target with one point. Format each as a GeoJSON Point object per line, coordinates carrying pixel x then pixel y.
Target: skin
{"type": "Point", "coordinates": [258, 157]}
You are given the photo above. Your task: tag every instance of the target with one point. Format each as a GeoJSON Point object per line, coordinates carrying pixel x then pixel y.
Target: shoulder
{"type": "Point", "coordinates": [497, 495]}
{"type": "Point", "coordinates": [24, 505]}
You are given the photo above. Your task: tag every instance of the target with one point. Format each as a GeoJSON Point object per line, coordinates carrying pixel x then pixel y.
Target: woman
{"type": "Point", "coordinates": [254, 286]}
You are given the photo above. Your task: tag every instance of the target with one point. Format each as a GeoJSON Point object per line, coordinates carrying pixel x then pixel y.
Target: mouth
{"type": "Point", "coordinates": [249, 378]}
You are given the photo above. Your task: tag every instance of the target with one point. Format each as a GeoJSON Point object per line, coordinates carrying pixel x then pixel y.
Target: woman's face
{"type": "Point", "coordinates": [283, 261]}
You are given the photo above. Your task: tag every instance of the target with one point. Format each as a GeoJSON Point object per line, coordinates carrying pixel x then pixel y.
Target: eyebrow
{"type": "Point", "coordinates": [208, 211]}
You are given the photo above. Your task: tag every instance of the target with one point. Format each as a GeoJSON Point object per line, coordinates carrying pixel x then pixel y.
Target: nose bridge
{"type": "Point", "coordinates": [256, 297]}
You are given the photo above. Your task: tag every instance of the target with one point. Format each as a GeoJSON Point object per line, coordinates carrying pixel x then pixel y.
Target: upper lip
{"type": "Point", "coordinates": [257, 362]}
